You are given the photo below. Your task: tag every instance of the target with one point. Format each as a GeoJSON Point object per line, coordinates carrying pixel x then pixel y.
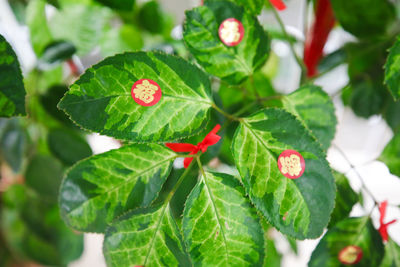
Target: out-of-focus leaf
{"type": "Point", "coordinates": [364, 18]}
{"type": "Point", "coordinates": [56, 53]}
{"type": "Point", "coordinates": [391, 155]}
{"type": "Point", "coordinates": [392, 255]}
{"type": "Point", "coordinates": [125, 5]}
{"type": "Point", "coordinates": [83, 25]}
{"type": "Point", "coordinates": [150, 17]}
{"type": "Point", "coordinates": [392, 114]}
{"type": "Point", "coordinates": [12, 91]}
{"type": "Point", "coordinates": [344, 201]}
{"type": "Point", "coordinates": [68, 146]}
{"type": "Point", "coordinates": [13, 141]}
{"type": "Point", "coordinates": [252, 6]}
{"type": "Point", "coordinates": [124, 39]}
{"type": "Point", "coordinates": [39, 30]}
{"type": "Point", "coordinates": [44, 174]}
{"type": "Point", "coordinates": [332, 60]}
{"type": "Point", "coordinates": [34, 230]}
{"type": "Point", "coordinates": [349, 232]}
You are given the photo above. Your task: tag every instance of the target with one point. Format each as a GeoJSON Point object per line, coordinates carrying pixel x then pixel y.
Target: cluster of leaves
{"type": "Point", "coordinates": [152, 213]}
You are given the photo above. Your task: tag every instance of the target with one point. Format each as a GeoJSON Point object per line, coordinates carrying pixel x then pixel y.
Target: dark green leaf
{"type": "Point", "coordinates": [145, 237]}
{"type": "Point", "coordinates": [392, 255]}
{"type": "Point", "coordinates": [125, 5]}
{"type": "Point", "coordinates": [332, 60]}
{"type": "Point", "coordinates": [364, 18]}
{"type": "Point", "coordinates": [252, 6]}
{"type": "Point", "coordinates": [13, 141]}
{"type": "Point", "coordinates": [220, 226]}
{"type": "Point", "coordinates": [101, 99]}
{"type": "Point", "coordinates": [34, 230]}
{"type": "Point", "coordinates": [314, 108]}
{"type": "Point", "coordinates": [44, 174]}
{"type": "Point", "coordinates": [233, 64]}
{"type": "Point", "coordinates": [300, 208]}
{"type": "Point", "coordinates": [352, 231]}
{"type": "Point", "coordinates": [56, 53]}
{"type": "Point", "coordinates": [392, 114]}
{"type": "Point", "coordinates": [100, 188]}
{"type": "Point", "coordinates": [150, 17]}
{"type": "Point", "coordinates": [345, 199]}
{"type": "Point", "coordinates": [68, 146]}
{"type": "Point", "coordinates": [392, 70]}
{"type": "Point", "coordinates": [12, 91]}
{"type": "Point", "coordinates": [391, 155]}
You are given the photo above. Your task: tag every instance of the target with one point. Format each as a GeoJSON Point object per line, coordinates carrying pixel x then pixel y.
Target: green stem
{"type": "Point", "coordinates": [178, 183]}
{"type": "Point", "coordinates": [298, 59]}
{"type": "Point", "coordinates": [200, 167]}
{"type": "Point", "coordinates": [227, 115]}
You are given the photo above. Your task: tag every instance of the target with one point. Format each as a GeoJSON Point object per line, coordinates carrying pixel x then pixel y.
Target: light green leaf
{"type": "Point", "coordinates": [392, 255]}
{"type": "Point", "coordinates": [12, 91]}
{"type": "Point", "coordinates": [68, 146]}
{"type": "Point", "coordinates": [252, 6]}
{"type": "Point", "coordinates": [233, 64]}
{"type": "Point", "coordinates": [101, 99]}
{"type": "Point", "coordinates": [34, 230]}
{"type": "Point", "coordinates": [391, 155]}
{"type": "Point", "coordinates": [145, 237]}
{"type": "Point", "coordinates": [83, 25]}
{"type": "Point", "coordinates": [367, 19]}
{"type": "Point", "coordinates": [392, 70]}
{"type": "Point", "coordinates": [314, 108]}
{"type": "Point", "coordinates": [345, 199]}
{"type": "Point", "coordinates": [301, 207]}
{"type": "Point", "coordinates": [220, 226]}
{"type": "Point", "coordinates": [100, 188]}
{"type": "Point", "coordinates": [39, 30]}
{"type": "Point", "coordinates": [352, 231]}
{"type": "Point", "coordinates": [124, 39]}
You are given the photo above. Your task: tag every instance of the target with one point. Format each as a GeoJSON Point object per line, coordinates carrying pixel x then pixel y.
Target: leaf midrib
{"type": "Point", "coordinates": [123, 183]}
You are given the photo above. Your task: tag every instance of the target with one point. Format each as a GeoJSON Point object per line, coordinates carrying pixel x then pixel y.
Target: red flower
{"type": "Point", "coordinates": [384, 226]}
{"type": "Point", "coordinates": [318, 35]}
{"type": "Point", "coordinates": [278, 4]}
{"type": "Point", "coordinates": [211, 139]}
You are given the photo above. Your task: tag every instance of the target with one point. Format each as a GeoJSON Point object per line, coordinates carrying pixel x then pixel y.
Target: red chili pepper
{"type": "Point", "coordinates": [384, 226]}
{"type": "Point", "coordinates": [211, 139]}
{"type": "Point", "coordinates": [278, 4]}
{"type": "Point", "coordinates": [318, 35]}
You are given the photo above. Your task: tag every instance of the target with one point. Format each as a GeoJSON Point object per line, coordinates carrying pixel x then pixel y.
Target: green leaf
{"type": "Point", "coordinates": [392, 70]}
{"type": "Point", "coordinates": [364, 18]}
{"type": "Point", "coordinates": [101, 99]}
{"type": "Point", "coordinates": [251, 6]}
{"type": "Point", "coordinates": [126, 38]}
{"type": "Point", "coordinates": [39, 30]}
{"type": "Point", "coordinates": [34, 230]}
{"type": "Point", "coordinates": [314, 108]}
{"type": "Point", "coordinates": [100, 188]}
{"type": "Point", "coordinates": [301, 207]}
{"type": "Point", "coordinates": [391, 155]}
{"type": "Point", "coordinates": [233, 64]}
{"type": "Point", "coordinates": [13, 142]}
{"type": "Point", "coordinates": [145, 237]}
{"type": "Point", "coordinates": [345, 199]}
{"type": "Point", "coordinates": [55, 53]}
{"type": "Point", "coordinates": [12, 91]}
{"type": "Point", "coordinates": [150, 17]}
{"type": "Point", "coordinates": [392, 114]}
{"type": "Point", "coordinates": [83, 25]}
{"type": "Point", "coordinates": [352, 231]}
{"type": "Point", "coordinates": [392, 255]}
{"type": "Point", "coordinates": [44, 174]}
{"type": "Point", "coordinates": [220, 226]}
{"type": "Point", "coordinates": [68, 146]}
{"type": "Point", "coordinates": [125, 5]}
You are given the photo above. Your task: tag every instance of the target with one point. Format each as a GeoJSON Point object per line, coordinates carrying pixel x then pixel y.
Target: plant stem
{"type": "Point", "coordinates": [226, 114]}
{"type": "Point", "coordinates": [363, 185]}
{"type": "Point", "coordinates": [298, 59]}
{"type": "Point", "coordinates": [178, 183]}
{"type": "Point", "coordinates": [201, 167]}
